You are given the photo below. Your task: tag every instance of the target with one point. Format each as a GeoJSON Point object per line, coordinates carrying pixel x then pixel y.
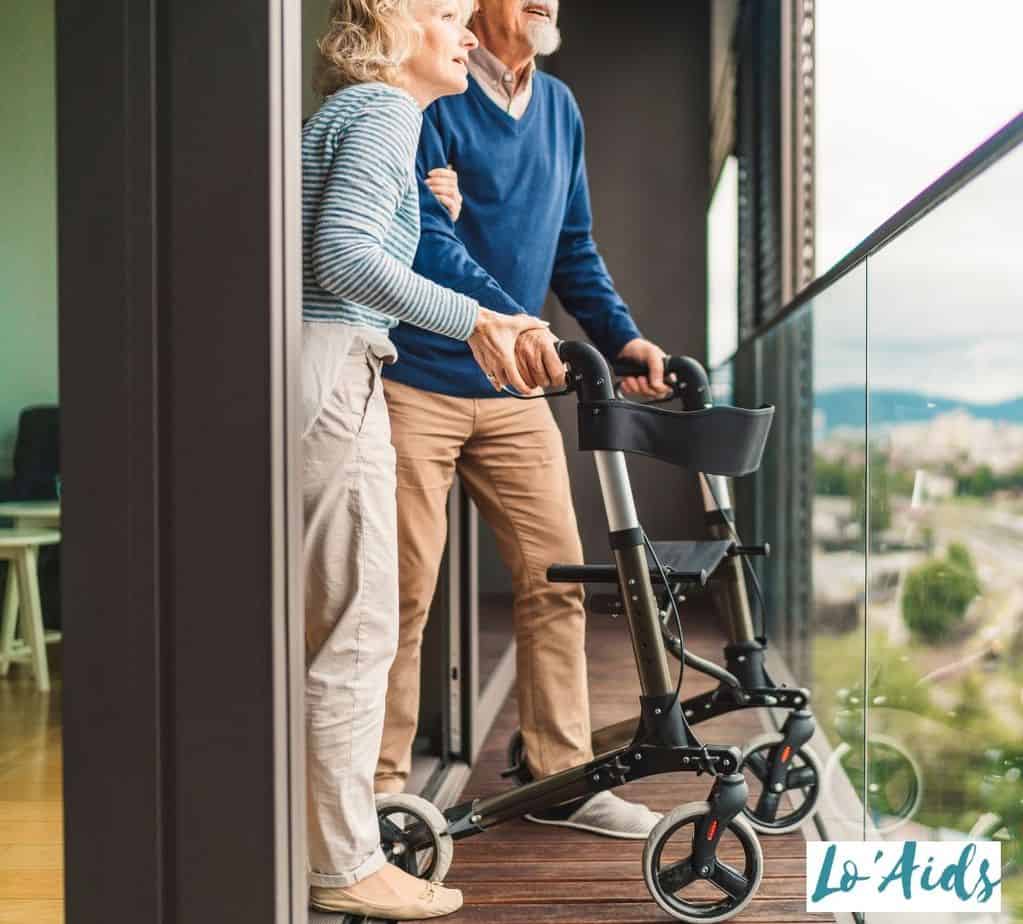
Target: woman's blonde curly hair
{"type": "Point", "coordinates": [368, 40]}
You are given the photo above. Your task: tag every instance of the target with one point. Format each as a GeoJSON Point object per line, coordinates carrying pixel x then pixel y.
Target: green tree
{"type": "Point", "coordinates": [937, 594]}
{"type": "Point", "coordinates": [1014, 480]}
{"type": "Point", "coordinates": [981, 482]}
{"type": "Point", "coordinates": [832, 478]}
{"type": "Point", "coordinates": [959, 555]}
{"type": "Point", "coordinates": [880, 495]}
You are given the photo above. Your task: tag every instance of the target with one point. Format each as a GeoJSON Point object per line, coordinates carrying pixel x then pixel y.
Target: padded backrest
{"type": "Point", "coordinates": [37, 453]}
{"type": "Point", "coordinates": [717, 440]}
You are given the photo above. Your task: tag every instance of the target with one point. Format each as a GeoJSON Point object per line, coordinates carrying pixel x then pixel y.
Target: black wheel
{"type": "Point", "coordinates": [778, 812]}
{"type": "Point", "coordinates": [710, 894]}
{"type": "Point", "coordinates": [894, 791]}
{"type": "Point", "coordinates": [518, 769]}
{"type": "Point", "coordinates": [398, 814]}
{"type": "Point", "coordinates": [894, 787]}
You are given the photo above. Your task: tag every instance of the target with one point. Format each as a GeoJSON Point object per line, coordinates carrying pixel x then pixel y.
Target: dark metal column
{"type": "Point", "coordinates": [179, 323]}
{"type": "Point", "coordinates": [774, 141]}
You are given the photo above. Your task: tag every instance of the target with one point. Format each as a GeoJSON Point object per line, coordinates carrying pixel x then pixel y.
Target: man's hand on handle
{"type": "Point", "coordinates": [652, 356]}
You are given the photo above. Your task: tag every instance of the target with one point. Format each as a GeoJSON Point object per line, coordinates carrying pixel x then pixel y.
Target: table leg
{"type": "Point", "coordinates": [32, 624]}
{"type": "Point", "coordinates": [9, 621]}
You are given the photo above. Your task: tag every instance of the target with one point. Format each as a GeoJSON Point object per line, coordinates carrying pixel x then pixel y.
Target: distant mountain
{"type": "Point", "coordinates": [843, 407]}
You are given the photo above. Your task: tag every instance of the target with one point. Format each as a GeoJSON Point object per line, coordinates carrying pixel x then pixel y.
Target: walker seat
{"type": "Point", "coordinates": [684, 561]}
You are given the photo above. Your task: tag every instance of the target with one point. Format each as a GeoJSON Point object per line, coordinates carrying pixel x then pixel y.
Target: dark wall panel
{"type": "Point", "coordinates": [215, 282]}
{"type": "Point", "coordinates": [112, 698]}
{"type": "Point", "coordinates": [642, 82]}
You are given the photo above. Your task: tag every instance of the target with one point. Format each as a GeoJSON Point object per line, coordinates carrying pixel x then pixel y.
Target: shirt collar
{"type": "Point", "coordinates": [487, 68]}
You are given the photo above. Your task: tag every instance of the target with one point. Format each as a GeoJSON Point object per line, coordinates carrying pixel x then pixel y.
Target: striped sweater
{"type": "Point", "coordinates": [360, 217]}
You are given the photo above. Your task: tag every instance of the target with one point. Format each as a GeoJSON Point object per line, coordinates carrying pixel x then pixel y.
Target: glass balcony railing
{"type": "Point", "coordinates": [892, 494]}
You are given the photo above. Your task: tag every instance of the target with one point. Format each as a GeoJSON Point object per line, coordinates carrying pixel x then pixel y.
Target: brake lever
{"type": "Point", "coordinates": [570, 387]}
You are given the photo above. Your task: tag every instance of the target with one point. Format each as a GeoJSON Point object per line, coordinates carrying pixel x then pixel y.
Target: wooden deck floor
{"type": "Point", "coordinates": [520, 873]}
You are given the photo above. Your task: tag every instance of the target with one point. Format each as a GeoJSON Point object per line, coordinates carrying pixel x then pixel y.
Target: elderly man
{"type": "Point", "coordinates": [516, 141]}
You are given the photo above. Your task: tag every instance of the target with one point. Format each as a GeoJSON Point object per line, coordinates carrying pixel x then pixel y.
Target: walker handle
{"type": "Point", "coordinates": [691, 382]}
{"type": "Point", "coordinates": [589, 372]}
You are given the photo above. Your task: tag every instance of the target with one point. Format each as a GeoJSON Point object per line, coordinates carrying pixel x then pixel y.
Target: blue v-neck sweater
{"type": "Point", "coordinates": [525, 228]}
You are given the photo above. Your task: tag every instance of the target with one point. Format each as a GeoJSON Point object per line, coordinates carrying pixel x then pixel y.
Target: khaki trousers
{"type": "Point", "coordinates": [351, 592]}
{"type": "Point", "coordinates": [509, 455]}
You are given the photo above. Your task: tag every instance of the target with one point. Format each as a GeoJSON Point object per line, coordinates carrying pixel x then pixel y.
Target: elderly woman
{"type": "Point", "coordinates": [383, 62]}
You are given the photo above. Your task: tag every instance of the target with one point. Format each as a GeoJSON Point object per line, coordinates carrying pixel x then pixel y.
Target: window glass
{"type": "Point", "coordinates": [722, 266]}
{"type": "Point", "coordinates": [904, 91]}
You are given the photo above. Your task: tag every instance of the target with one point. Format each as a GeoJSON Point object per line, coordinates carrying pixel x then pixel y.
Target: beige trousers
{"type": "Point", "coordinates": [510, 457]}
{"type": "Point", "coordinates": [351, 592]}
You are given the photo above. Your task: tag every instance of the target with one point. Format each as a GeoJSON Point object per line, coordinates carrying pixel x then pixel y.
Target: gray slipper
{"type": "Point", "coordinates": [603, 813]}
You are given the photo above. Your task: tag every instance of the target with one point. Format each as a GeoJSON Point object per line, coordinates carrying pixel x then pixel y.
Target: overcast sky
{"type": "Point", "coordinates": [905, 89]}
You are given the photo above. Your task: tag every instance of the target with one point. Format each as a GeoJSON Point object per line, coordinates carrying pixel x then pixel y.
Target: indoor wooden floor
{"type": "Point", "coordinates": [520, 873]}
{"type": "Point", "coordinates": [31, 810]}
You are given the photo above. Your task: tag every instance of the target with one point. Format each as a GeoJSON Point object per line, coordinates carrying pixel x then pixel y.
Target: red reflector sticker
{"type": "Point", "coordinates": [713, 830]}
{"type": "Point", "coordinates": [786, 754]}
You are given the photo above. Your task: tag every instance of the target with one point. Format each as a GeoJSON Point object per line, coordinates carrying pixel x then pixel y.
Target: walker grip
{"type": "Point", "coordinates": [690, 378]}
{"type": "Point", "coordinates": [624, 367]}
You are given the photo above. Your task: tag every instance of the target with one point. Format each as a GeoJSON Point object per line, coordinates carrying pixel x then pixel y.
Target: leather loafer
{"type": "Point", "coordinates": [434, 901]}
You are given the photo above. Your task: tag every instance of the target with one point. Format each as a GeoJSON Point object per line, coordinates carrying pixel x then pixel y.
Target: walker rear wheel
{"type": "Point", "coordinates": [518, 769]}
{"type": "Point", "coordinates": [398, 814]}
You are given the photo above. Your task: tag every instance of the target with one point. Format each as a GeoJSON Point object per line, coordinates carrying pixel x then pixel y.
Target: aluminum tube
{"type": "Point", "coordinates": [616, 490]}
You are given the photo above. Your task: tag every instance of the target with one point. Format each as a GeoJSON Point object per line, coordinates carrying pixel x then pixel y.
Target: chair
{"type": "Point", "coordinates": [37, 453]}
{"type": "Point", "coordinates": [36, 465]}
{"type": "Point", "coordinates": [20, 548]}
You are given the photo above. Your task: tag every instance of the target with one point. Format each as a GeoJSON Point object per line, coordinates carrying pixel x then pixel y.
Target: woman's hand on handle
{"type": "Point", "coordinates": [652, 356]}
{"type": "Point", "coordinates": [538, 359]}
{"type": "Point", "coordinates": [493, 344]}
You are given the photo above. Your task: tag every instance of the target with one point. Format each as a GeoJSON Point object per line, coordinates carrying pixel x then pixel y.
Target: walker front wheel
{"type": "Point", "coordinates": [773, 776]}
{"type": "Point", "coordinates": [713, 892]}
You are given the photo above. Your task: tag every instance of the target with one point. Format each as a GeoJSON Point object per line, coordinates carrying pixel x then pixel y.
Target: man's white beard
{"type": "Point", "coordinates": [545, 37]}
